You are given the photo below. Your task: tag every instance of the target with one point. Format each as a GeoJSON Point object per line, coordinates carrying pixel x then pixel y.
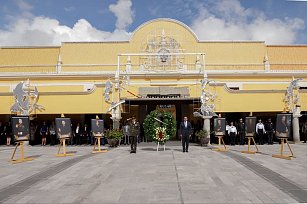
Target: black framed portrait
{"type": "Point", "coordinates": [97, 127]}
{"type": "Point", "coordinates": [20, 126]}
{"type": "Point", "coordinates": [250, 126]}
{"type": "Point", "coordinates": [63, 127]}
{"type": "Point", "coordinates": [283, 125]}
{"type": "Point", "coordinates": [219, 126]}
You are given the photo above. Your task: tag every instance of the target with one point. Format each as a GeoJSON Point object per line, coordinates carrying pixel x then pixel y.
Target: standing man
{"type": "Point", "coordinates": [77, 134]}
{"type": "Point", "coordinates": [241, 130]}
{"type": "Point", "coordinates": [126, 130]}
{"type": "Point", "coordinates": [270, 131]}
{"type": "Point", "coordinates": [44, 132]}
{"type": "Point", "coordinates": [304, 130]}
{"type": "Point", "coordinates": [134, 132]}
{"type": "Point", "coordinates": [185, 133]}
{"type": "Point", "coordinates": [260, 131]}
{"type": "Point", "coordinates": [232, 132]}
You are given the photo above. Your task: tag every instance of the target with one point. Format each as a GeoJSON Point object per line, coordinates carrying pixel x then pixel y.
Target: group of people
{"type": "Point", "coordinates": [264, 132]}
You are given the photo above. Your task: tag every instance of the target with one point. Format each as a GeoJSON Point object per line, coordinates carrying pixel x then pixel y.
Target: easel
{"type": "Point", "coordinates": [220, 135]}
{"type": "Point", "coordinates": [63, 145]}
{"type": "Point", "coordinates": [250, 137]}
{"type": "Point", "coordinates": [22, 159]}
{"type": "Point", "coordinates": [97, 141]}
{"type": "Point", "coordinates": [283, 140]}
{"type": "Point", "coordinates": [158, 146]}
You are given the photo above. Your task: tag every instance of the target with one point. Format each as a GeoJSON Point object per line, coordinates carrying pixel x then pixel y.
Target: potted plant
{"type": "Point", "coordinates": [114, 136]}
{"type": "Point", "coordinates": [203, 137]}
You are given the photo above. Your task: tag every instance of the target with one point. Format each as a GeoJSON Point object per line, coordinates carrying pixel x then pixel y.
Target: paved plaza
{"type": "Point", "coordinates": [200, 176]}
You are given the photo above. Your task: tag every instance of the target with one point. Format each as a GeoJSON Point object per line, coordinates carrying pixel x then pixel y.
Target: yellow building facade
{"type": "Point", "coordinates": [161, 66]}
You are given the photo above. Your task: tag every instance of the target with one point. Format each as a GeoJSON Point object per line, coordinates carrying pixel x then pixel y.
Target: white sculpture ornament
{"type": "Point", "coordinates": [25, 99]}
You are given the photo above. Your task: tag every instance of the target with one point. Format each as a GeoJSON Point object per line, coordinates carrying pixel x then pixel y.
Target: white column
{"type": "Point", "coordinates": [295, 125]}
{"type": "Point", "coordinates": [207, 125]}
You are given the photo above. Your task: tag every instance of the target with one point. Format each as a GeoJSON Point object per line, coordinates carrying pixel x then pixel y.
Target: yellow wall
{"type": "Point", "coordinates": [64, 92]}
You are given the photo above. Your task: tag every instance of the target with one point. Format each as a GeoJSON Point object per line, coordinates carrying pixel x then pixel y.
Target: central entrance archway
{"type": "Point", "coordinates": [180, 107]}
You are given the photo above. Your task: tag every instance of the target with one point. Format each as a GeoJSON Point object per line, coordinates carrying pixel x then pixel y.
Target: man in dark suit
{"type": "Point", "coordinates": [134, 133]}
{"type": "Point", "coordinates": [185, 133]}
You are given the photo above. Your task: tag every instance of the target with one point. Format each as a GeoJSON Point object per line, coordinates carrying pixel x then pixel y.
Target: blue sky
{"type": "Point", "coordinates": [49, 22]}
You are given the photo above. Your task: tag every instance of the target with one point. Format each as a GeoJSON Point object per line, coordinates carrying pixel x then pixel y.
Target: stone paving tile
{"type": "Point", "coordinates": [200, 176]}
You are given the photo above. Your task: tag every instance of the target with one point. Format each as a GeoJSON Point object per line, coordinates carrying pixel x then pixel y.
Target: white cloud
{"type": "Point", "coordinates": [123, 12]}
{"type": "Point", "coordinates": [45, 31]}
{"type": "Point", "coordinates": [28, 30]}
{"type": "Point", "coordinates": [228, 20]}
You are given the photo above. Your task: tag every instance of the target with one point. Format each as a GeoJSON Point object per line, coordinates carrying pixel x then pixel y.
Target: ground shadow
{"type": "Point", "coordinates": [154, 149]}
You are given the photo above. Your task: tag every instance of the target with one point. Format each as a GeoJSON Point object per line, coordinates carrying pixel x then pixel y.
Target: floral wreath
{"type": "Point", "coordinates": [161, 135]}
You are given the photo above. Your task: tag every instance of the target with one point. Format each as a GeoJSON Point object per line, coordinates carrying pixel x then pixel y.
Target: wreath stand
{"type": "Point", "coordinates": [22, 159]}
{"type": "Point", "coordinates": [220, 136]}
{"type": "Point", "coordinates": [283, 140]}
{"type": "Point", "coordinates": [63, 145]}
{"type": "Point", "coordinates": [159, 145]}
{"type": "Point", "coordinates": [97, 142]}
{"type": "Point", "coordinates": [249, 151]}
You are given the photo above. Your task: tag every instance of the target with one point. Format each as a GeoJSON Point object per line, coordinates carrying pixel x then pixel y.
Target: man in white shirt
{"type": "Point", "coordinates": [232, 132]}
{"type": "Point", "coordinates": [260, 131]}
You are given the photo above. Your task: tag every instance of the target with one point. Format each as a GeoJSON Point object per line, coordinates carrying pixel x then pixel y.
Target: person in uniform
{"type": "Point", "coordinates": [269, 127]}
{"type": "Point", "coordinates": [304, 130]}
{"type": "Point", "coordinates": [77, 134]}
{"type": "Point", "coordinates": [33, 129]}
{"type": "Point", "coordinates": [232, 132]}
{"type": "Point", "coordinates": [134, 127]}
{"type": "Point", "coordinates": [241, 128]}
{"type": "Point", "coordinates": [86, 135]}
{"type": "Point", "coordinates": [260, 130]}
{"type": "Point", "coordinates": [185, 133]}
{"type": "Point", "coordinates": [8, 133]}
{"type": "Point", "coordinates": [126, 130]}
{"type": "Point", "coordinates": [44, 132]}
{"type": "Point", "coordinates": [52, 134]}
{"type": "Point", "coordinates": [1, 133]}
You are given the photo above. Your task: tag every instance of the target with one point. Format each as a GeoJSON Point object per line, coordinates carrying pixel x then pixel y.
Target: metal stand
{"type": "Point", "coordinates": [63, 145]}
{"type": "Point", "coordinates": [220, 148]}
{"type": "Point", "coordinates": [99, 150]}
{"type": "Point", "coordinates": [282, 156]}
{"type": "Point", "coordinates": [158, 146]}
{"type": "Point", "coordinates": [249, 151]}
{"type": "Point", "coordinates": [22, 159]}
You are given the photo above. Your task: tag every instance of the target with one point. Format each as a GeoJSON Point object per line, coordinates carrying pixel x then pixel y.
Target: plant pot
{"type": "Point", "coordinates": [204, 141]}
{"type": "Point", "coordinates": [113, 142]}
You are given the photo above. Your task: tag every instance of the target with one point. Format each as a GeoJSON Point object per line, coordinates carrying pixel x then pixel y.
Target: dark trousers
{"type": "Point", "coordinates": [260, 137]}
{"type": "Point", "coordinates": [185, 143]}
{"type": "Point", "coordinates": [232, 138]}
{"type": "Point", "coordinates": [133, 141]}
{"type": "Point", "coordinates": [126, 139]}
{"type": "Point", "coordinates": [305, 136]}
{"type": "Point", "coordinates": [242, 138]}
{"type": "Point", "coordinates": [270, 137]}
{"type": "Point", "coordinates": [78, 139]}
{"type": "Point", "coordinates": [52, 139]}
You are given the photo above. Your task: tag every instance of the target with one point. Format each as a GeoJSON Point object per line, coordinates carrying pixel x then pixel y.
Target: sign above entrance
{"type": "Point", "coordinates": [164, 92]}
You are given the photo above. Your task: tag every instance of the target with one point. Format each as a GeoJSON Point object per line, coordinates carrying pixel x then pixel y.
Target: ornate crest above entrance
{"type": "Point", "coordinates": [164, 53]}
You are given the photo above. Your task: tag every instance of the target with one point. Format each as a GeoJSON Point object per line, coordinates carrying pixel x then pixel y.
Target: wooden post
{"type": "Point", "coordinates": [221, 140]}
{"type": "Point", "coordinates": [22, 159]}
{"type": "Point", "coordinates": [63, 145]}
{"type": "Point", "coordinates": [249, 151]}
{"type": "Point", "coordinates": [99, 150]}
{"type": "Point", "coordinates": [282, 156]}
